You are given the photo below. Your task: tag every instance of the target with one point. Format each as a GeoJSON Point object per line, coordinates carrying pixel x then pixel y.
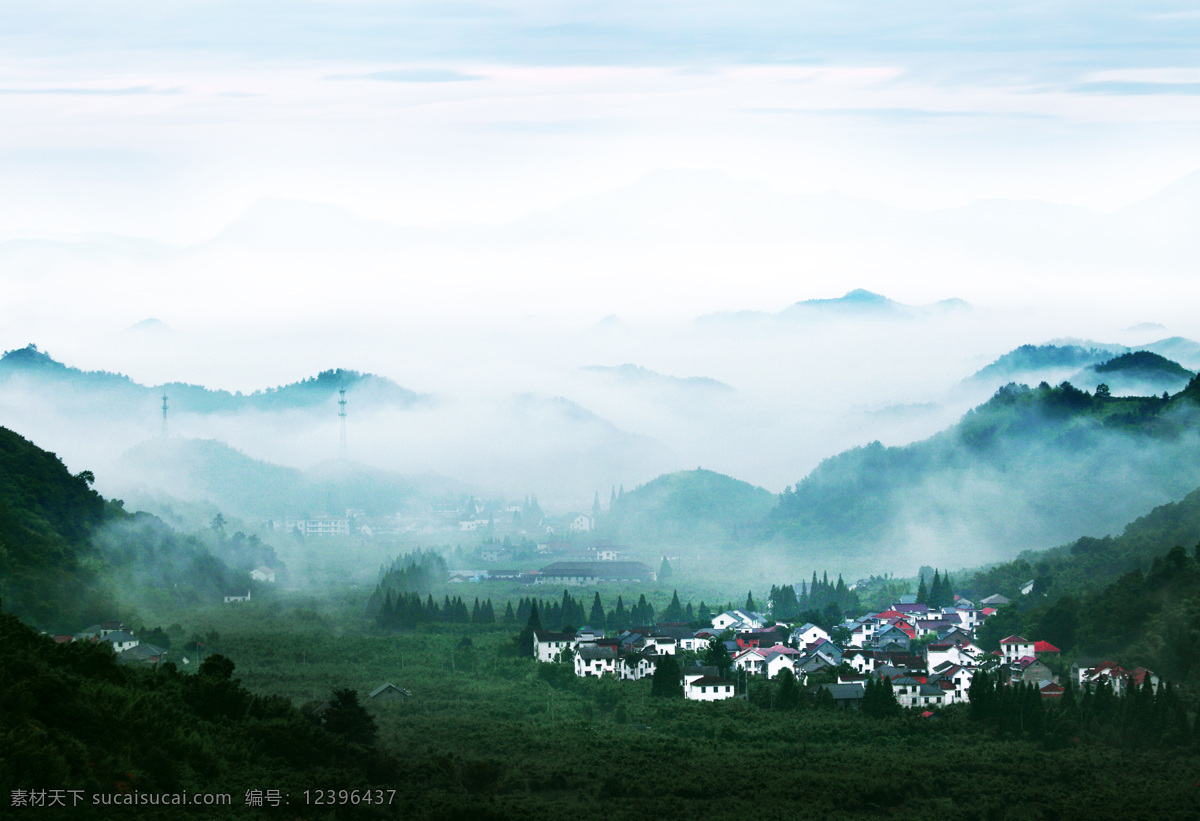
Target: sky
{"type": "Point", "coordinates": [454, 194]}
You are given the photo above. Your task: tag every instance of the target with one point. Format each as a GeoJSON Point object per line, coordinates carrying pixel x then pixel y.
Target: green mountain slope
{"type": "Point", "coordinates": [67, 555]}
{"type": "Point", "coordinates": [693, 505]}
{"type": "Point", "coordinates": [1030, 468]}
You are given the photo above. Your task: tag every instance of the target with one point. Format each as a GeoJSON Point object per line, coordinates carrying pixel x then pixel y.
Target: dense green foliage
{"type": "Point", "coordinates": [1043, 452]}
{"type": "Point", "coordinates": [64, 550]}
{"type": "Point", "coordinates": [76, 719]}
{"type": "Point", "coordinates": [1142, 619]}
{"type": "Point", "coordinates": [1088, 563]}
{"type": "Point", "coordinates": [1032, 359]}
{"type": "Point", "coordinates": [697, 505]}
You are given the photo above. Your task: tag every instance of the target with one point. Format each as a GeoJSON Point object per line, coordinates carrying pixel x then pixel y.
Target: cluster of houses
{"type": "Point", "coordinates": [929, 655]}
{"type": "Point", "coordinates": [124, 643]}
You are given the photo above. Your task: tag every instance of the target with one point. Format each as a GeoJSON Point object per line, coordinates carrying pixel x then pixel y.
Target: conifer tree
{"type": "Point", "coordinates": [525, 639]}
{"type": "Point", "coordinates": [674, 611]}
{"type": "Point", "coordinates": [596, 617]}
{"type": "Point", "coordinates": [922, 592]}
{"type": "Point", "coordinates": [667, 681]}
{"type": "Point", "coordinates": [665, 571]}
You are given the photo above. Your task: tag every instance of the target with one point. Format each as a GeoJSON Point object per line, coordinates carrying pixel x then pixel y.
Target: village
{"type": "Point", "coordinates": [928, 656]}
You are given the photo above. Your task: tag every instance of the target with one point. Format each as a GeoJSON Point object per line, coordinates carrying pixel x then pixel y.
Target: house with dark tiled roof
{"type": "Point", "coordinates": [636, 666]}
{"type": "Point", "coordinates": [143, 653]}
{"type": "Point", "coordinates": [548, 646]}
{"type": "Point", "coordinates": [709, 688]}
{"type": "Point", "coordinates": [595, 660]}
{"type": "Point", "coordinates": [845, 696]}
{"type": "Point", "coordinates": [389, 692]}
{"type": "Point", "coordinates": [120, 640]}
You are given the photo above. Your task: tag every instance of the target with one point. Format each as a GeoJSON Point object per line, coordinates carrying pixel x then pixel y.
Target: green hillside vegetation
{"type": "Point", "coordinates": [1088, 564]}
{"type": "Point", "coordinates": [1029, 359]}
{"type": "Point", "coordinates": [76, 719]}
{"type": "Point", "coordinates": [1143, 362]}
{"type": "Point", "coordinates": [113, 389]}
{"type": "Point", "coordinates": [65, 551]}
{"type": "Point", "coordinates": [1138, 371]}
{"type": "Point", "coordinates": [1030, 466]}
{"type": "Point", "coordinates": [1149, 619]}
{"type": "Point", "coordinates": [695, 505]}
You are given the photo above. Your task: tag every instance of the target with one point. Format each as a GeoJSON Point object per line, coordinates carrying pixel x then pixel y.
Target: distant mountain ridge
{"type": "Point", "coordinates": [858, 303]}
{"type": "Point", "coordinates": [1070, 359]}
{"type": "Point", "coordinates": [637, 375]}
{"type": "Point", "coordinates": [313, 392]}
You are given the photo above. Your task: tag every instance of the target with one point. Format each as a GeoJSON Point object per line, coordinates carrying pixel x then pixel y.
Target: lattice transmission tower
{"type": "Point", "coordinates": [342, 417]}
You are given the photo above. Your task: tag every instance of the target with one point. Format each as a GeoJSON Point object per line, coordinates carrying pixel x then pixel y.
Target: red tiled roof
{"type": "Point", "coordinates": [1015, 640]}
{"type": "Point", "coordinates": [1045, 647]}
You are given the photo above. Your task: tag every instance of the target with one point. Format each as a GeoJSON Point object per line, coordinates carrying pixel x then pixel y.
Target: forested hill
{"type": "Point", "coordinates": [65, 551]}
{"type": "Point", "coordinates": [696, 504]}
{"type": "Point", "coordinates": [1031, 468]}
{"type": "Point", "coordinates": [1089, 564]}
{"type": "Point", "coordinates": [47, 518]}
{"type": "Point", "coordinates": [34, 368]}
{"type": "Point", "coordinates": [1086, 364]}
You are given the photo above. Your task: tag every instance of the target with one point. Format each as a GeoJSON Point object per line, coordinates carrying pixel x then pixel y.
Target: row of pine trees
{"type": "Point", "coordinates": [1141, 718]}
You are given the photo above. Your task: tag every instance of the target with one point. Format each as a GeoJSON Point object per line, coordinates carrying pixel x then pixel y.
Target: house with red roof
{"type": "Point", "coordinates": [1042, 649]}
{"type": "Point", "coordinates": [1015, 647]}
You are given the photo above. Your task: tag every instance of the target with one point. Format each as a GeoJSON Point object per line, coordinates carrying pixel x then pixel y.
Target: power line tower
{"type": "Point", "coordinates": [342, 416]}
{"type": "Point", "coordinates": [164, 425]}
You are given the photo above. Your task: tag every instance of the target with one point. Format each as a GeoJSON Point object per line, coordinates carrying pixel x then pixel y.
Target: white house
{"type": "Point", "coordinates": [120, 640]}
{"type": "Point", "coordinates": [595, 660]}
{"type": "Point", "coordinates": [635, 666]}
{"type": "Point", "coordinates": [863, 661]}
{"type": "Point", "coordinates": [548, 646]}
{"type": "Point", "coordinates": [776, 662]}
{"type": "Point", "coordinates": [740, 620]}
{"type": "Point", "coordinates": [660, 645]}
{"type": "Point", "coordinates": [237, 596]}
{"type": "Point", "coordinates": [808, 633]}
{"type": "Point", "coordinates": [263, 574]}
{"type": "Point", "coordinates": [708, 688]}
{"type": "Point", "coordinates": [580, 523]}
{"type": "Point", "coordinates": [752, 660]}
{"type": "Point", "coordinates": [1014, 648]}
{"type": "Point", "coordinates": [939, 653]}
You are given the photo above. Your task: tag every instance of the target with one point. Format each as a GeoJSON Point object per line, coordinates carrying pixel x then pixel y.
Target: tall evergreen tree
{"type": "Point", "coordinates": [525, 639]}
{"type": "Point", "coordinates": [596, 616]}
{"type": "Point", "coordinates": [674, 611]}
{"type": "Point", "coordinates": [922, 592]}
{"type": "Point", "coordinates": [665, 571]}
{"type": "Point", "coordinates": [667, 681]}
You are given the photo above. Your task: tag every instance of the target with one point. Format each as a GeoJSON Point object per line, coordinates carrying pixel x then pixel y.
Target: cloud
{"type": "Point", "coordinates": [411, 75]}
{"type": "Point", "coordinates": [1130, 88]}
{"type": "Point", "coordinates": [103, 92]}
